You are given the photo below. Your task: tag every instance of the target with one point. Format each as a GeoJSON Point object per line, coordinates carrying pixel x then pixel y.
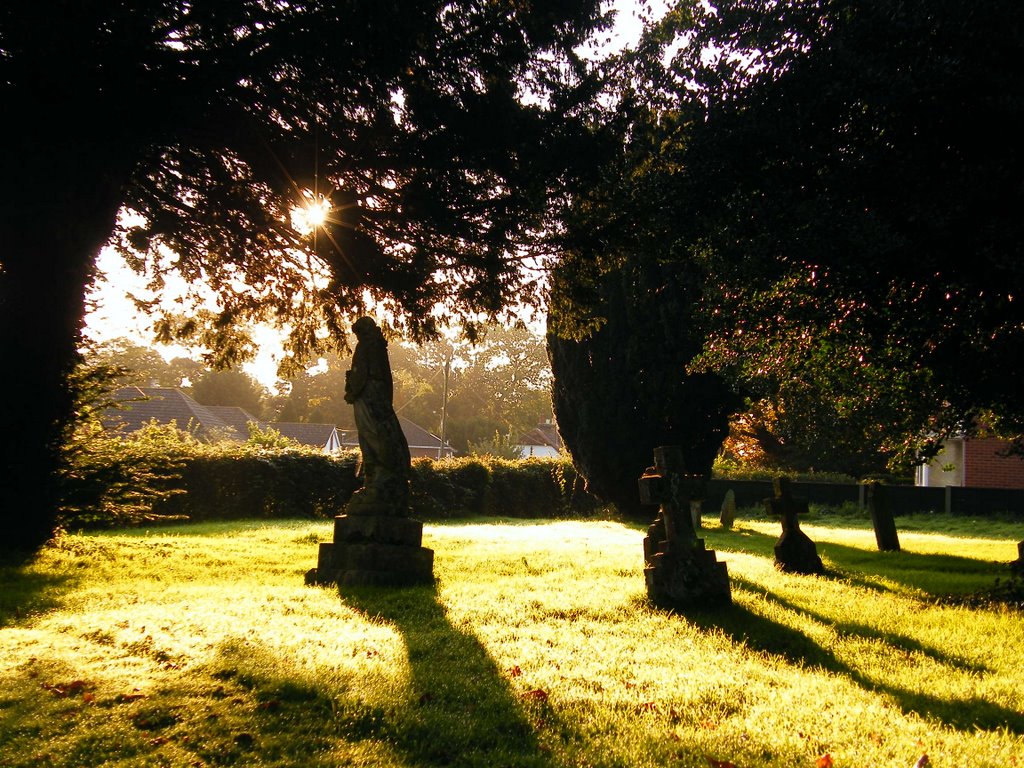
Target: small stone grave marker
{"type": "Point", "coordinates": [1017, 566]}
{"type": "Point", "coordinates": [728, 514]}
{"type": "Point", "coordinates": [882, 519]}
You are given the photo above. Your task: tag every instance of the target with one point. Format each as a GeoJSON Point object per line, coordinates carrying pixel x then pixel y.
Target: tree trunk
{"type": "Point", "coordinates": [51, 232]}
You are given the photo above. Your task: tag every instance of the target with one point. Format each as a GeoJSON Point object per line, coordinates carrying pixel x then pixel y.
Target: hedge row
{"type": "Point", "coordinates": [498, 487]}
{"type": "Point", "coordinates": [275, 484]}
{"type": "Point", "coordinates": [136, 483]}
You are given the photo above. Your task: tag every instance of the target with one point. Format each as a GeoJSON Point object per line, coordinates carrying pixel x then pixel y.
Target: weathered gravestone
{"type": "Point", "coordinates": [794, 551]}
{"type": "Point", "coordinates": [375, 540]}
{"type": "Point", "coordinates": [882, 519]}
{"type": "Point", "coordinates": [1017, 566]}
{"type": "Point", "coordinates": [678, 570]}
{"type": "Point", "coordinates": [727, 516]}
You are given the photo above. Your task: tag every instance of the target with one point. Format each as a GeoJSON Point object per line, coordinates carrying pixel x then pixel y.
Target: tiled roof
{"type": "Point", "coordinates": [318, 435]}
{"type": "Point", "coordinates": [238, 418]}
{"type": "Point", "coordinates": [415, 435]}
{"type": "Point", "coordinates": [542, 434]}
{"type": "Point", "coordinates": [164, 405]}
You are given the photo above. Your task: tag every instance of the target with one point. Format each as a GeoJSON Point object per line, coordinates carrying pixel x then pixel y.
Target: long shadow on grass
{"type": "Point", "coordinates": [762, 634]}
{"type": "Point", "coordinates": [24, 591]}
{"type": "Point", "coordinates": [467, 714]}
{"type": "Point", "coordinates": [865, 631]}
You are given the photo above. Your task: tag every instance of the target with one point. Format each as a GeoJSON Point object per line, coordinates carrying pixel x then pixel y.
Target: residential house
{"type": "Point", "coordinates": [421, 442]}
{"type": "Point", "coordinates": [324, 436]}
{"type": "Point", "coordinates": [973, 462]}
{"type": "Point", "coordinates": [542, 441]}
{"type": "Point", "coordinates": [164, 405]}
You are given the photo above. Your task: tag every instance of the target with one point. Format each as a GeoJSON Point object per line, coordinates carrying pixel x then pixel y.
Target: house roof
{"type": "Point", "coordinates": [238, 418]}
{"type": "Point", "coordinates": [164, 405]}
{"type": "Point", "coordinates": [318, 435]}
{"type": "Point", "coordinates": [415, 435]}
{"type": "Point", "coordinates": [543, 434]}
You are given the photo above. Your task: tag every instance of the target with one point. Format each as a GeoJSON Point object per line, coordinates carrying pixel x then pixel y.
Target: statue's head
{"type": "Point", "coordinates": [364, 325]}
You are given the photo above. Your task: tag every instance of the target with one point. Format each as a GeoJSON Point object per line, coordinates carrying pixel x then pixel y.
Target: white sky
{"type": "Point", "coordinates": [113, 314]}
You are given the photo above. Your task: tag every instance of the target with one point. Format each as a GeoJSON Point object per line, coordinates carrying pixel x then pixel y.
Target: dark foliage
{"type": "Point", "coordinates": [853, 181]}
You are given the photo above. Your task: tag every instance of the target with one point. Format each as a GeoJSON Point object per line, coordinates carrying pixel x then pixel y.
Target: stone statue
{"type": "Point", "coordinates": [376, 541]}
{"type": "Point", "coordinates": [385, 460]}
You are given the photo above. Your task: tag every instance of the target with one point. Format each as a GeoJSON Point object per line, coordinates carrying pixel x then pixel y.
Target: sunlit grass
{"type": "Point", "coordinates": [200, 646]}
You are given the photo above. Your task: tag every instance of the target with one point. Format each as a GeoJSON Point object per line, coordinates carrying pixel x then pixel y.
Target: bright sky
{"type": "Point", "coordinates": [113, 314]}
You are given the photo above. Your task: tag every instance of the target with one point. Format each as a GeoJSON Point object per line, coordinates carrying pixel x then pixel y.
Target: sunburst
{"type": "Point", "coordinates": [311, 214]}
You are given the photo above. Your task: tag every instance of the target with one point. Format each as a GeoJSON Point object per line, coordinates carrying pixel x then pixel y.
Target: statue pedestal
{"type": "Point", "coordinates": [374, 550]}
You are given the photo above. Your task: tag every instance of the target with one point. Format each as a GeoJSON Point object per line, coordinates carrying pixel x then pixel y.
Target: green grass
{"type": "Point", "coordinates": [200, 645]}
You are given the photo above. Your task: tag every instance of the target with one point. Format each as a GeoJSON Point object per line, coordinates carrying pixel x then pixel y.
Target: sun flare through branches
{"type": "Point", "coordinates": [311, 214]}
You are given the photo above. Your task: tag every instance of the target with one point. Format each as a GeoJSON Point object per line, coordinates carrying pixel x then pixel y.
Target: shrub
{"type": "Point", "coordinates": [162, 473]}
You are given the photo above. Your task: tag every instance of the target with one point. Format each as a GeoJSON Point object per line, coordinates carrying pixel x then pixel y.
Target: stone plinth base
{"type": "Point", "coordinates": [687, 576]}
{"type": "Point", "coordinates": [369, 550]}
{"type": "Point", "coordinates": [796, 553]}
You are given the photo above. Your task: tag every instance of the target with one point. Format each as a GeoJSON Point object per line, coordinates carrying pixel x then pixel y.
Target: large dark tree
{"type": "Point", "coordinates": [193, 129]}
{"type": "Point", "coordinates": [623, 388]}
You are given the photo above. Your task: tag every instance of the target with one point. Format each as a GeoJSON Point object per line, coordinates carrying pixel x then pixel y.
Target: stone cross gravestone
{"type": "Point", "coordinates": [375, 540]}
{"type": "Point", "coordinates": [678, 570]}
{"type": "Point", "coordinates": [794, 551]}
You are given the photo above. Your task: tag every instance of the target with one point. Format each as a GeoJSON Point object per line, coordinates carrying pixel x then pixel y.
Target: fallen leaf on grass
{"type": "Point", "coordinates": [515, 671]}
{"type": "Point", "coordinates": [60, 690]}
{"type": "Point", "coordinates": [537, 694]}
{"type": "Point", "coordinates": [825, 761]}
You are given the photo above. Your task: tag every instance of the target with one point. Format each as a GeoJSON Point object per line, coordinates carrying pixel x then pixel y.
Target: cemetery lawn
{"type": "Point", "coordinates": [200, 646]}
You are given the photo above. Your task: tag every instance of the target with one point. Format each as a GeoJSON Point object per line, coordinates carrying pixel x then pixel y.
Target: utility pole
{"type": "Point", "coordinates": [444, 404]}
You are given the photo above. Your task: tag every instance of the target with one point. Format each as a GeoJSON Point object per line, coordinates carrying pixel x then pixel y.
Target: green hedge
{"type": "Point", "coordinates": [489, 486]}
{"type": "Point", "coordinates": [162, 475]}
{"type": "Point", "coordinates": [285, 484]}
